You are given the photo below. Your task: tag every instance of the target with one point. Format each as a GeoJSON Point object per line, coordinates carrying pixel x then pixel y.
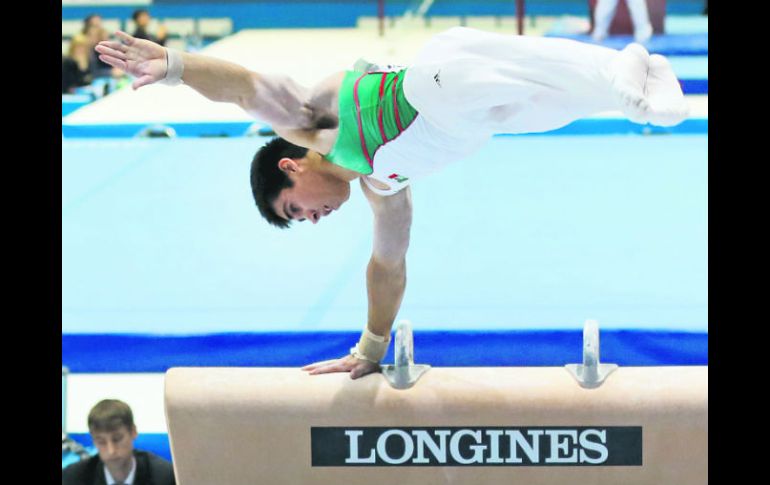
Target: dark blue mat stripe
{"type": "Point", "coordinates": [110, 353]}
{"type": "Point", "coordinates": [695, 86]}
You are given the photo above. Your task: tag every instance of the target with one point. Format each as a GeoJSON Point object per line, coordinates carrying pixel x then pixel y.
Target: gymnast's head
{"type": "Point", "coordinates": [291, 183]}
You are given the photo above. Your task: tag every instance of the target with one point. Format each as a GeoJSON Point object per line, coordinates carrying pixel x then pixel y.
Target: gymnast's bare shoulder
{"type": "Point", "coordinates": [318, 126]}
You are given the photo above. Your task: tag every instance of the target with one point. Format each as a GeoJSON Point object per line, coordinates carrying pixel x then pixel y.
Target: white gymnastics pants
{"type": "Point", "coordinates": [467, 81]}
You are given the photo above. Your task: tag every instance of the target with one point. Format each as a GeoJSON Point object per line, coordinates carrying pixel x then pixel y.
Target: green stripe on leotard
{"type": "Point", "coordinates": [373, 110]}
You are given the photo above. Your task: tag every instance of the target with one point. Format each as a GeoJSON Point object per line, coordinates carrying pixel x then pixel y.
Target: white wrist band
{"type": "Point", "coordinates": [371, 347]}
{"type": "Point", "coordinates": [174, 68]}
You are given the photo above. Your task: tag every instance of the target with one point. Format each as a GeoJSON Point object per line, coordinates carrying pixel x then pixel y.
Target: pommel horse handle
{"type": "Point", "coordinates": [592, 373]}
{"type": "Point", "coordinates": [404, 373]}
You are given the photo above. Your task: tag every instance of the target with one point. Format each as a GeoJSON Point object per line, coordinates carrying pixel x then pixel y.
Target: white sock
{"type": "Point", "coordinates": [668, 106]}
{"type": "Point", "coordinates": [628, 76]}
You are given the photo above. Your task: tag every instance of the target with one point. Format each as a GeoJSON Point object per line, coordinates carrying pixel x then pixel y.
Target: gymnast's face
{"type": "Point", "coordinates": [316, 193]}
{"type": "Point", "coordinates": [115, 446]}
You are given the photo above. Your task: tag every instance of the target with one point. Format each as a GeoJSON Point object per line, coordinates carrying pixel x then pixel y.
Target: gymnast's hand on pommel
{"type": "Point", "coordinates": [356, 367]}
{"type": "Point", "coordinates": [144, 60]}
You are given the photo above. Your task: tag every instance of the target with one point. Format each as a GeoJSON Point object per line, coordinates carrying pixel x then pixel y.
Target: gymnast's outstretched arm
{"type": "Point", "coordinates": [385, 283]}
{"type": "Point", "coordinates": [276, 99]}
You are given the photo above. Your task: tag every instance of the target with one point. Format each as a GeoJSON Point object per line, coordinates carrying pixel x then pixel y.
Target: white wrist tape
{"type": "Point", "coordinates": [371, 347]}
{"type": "Point", "coordinates": [174, 68]}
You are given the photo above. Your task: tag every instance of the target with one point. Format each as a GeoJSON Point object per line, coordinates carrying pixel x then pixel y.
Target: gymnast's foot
{"type": "Point", "coordinates": [647, 88]}
{"type": "Point", "coordinates": [668, 106]}
{"type": "Point", "coordinates": [628, 76]}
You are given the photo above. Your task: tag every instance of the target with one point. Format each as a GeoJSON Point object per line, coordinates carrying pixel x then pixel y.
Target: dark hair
{"type": "Point", "coordinates": [267, 180]}
{"type": "Point", "coordinates": [109, 415]}
{"type": "Point", "coordinates": [139, 12]}
{"type": "Point", "coordinates": [87, 21]}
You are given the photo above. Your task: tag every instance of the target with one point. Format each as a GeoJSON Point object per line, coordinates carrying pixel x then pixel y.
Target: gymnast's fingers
{"type": "Point", "coordinates": [125, 38]}
{"type": "Point", "coordinates": [362, 368]}
{"type": "Point", "coordinates": [344, 364]}
{"type": "Point", "coordinates": [333, 367]}
{"type": "Point", "coordinates": [143, 81]}
{"type": "Point", "coordinates": [103, 49]}
{"type": "Point", "coordinates": [114, 62]}
{"type": "Point", "coordinates": [112, 44]}
{"type": "Point", "coordinates": [315, 365]}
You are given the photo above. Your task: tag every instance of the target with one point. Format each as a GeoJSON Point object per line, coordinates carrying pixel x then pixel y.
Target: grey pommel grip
{"type": "Point", "coordinates": [404, 373]}
{"type": "Point", "coordinates": [591, 373]}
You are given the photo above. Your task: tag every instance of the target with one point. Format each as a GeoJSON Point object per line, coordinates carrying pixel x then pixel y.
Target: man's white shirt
{"type": "Point", "coordinates": [129, 479]}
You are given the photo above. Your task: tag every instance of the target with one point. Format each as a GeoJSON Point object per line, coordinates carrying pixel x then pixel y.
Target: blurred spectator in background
{"type": "Point", "coordinates": [142, 20]}
{"type": "Point", "coordinates": [111, 424]}
{"type": "Point", "coordinates": [93, 20]}
{"type": "Point", "coordinates": [76, 66]}
{"type": "Point", "coordinates": [95, 33]}
{"type": "Point", "coordinates": [605, 12]}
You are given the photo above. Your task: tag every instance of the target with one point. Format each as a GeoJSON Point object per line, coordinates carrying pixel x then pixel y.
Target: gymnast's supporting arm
{"type": "Point", "coordinates": [386, 273]}
{"type": "Point", "coordinates": [276, 99]}
{"type": "Point", "coordinates": [385, 282]}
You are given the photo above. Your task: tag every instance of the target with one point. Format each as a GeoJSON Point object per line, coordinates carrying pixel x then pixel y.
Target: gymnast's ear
{"type": "Point", "coordinates": [288, 165]}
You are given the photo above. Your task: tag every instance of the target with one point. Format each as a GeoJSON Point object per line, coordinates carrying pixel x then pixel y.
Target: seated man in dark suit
{"type": "Point", "coordinates": [111, 424]}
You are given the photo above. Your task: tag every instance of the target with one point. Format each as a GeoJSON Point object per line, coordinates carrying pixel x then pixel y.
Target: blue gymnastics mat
{"type": "Point", "coordinates": [162, 236]}
{"type": "Point", "coordinates": [106, 353]}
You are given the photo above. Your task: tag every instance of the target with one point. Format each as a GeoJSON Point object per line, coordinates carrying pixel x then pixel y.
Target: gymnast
{"type": "Point", "coordinates": [389, 126]}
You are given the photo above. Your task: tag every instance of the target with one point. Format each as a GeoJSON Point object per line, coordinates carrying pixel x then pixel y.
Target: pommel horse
{"type": "Point", "coordinates": [588, 423]}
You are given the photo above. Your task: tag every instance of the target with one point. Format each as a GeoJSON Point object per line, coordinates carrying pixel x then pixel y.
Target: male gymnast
{"type": "Point", "coordinates": [388, 127]}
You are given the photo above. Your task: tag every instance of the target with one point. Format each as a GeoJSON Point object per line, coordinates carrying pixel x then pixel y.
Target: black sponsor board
{"type": "Point", "coordinates": [477, 446]}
